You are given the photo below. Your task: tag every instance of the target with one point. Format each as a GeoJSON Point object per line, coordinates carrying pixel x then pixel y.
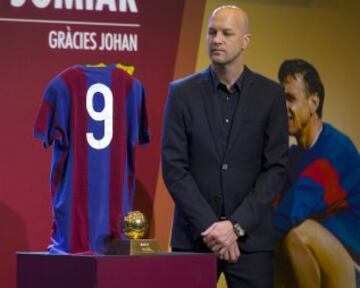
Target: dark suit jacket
{"type": "Point", "coordinates": [245, 178]}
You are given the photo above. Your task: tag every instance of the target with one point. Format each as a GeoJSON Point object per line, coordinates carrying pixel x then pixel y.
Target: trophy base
{"type": "Point", "coordinates": [132, 247]}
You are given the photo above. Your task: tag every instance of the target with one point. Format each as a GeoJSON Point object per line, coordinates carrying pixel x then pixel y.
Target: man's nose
{"type": "Point", "coordinates": [288, 106]}
{"type": "Point", "coordinates": [217, 38]}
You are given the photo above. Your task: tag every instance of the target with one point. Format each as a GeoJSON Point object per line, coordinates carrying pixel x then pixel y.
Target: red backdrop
{"type": "Point", "coordinates": [29, 63]}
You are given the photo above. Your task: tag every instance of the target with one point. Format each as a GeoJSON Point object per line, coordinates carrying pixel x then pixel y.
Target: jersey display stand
{"type": "Point", "coordinates": [176, 270]}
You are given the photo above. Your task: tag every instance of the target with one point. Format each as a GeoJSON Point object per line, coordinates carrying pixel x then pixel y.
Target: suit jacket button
{"type": "Point", "coordinates": [224, 166]}
{"type": "Point", "coordinates": [217, 198]}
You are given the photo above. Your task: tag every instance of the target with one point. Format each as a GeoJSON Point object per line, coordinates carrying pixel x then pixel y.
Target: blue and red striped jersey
{"type": "Point", "coordinates": [93, 117]}
{"type": "Point", "coordinates": [323, 184]}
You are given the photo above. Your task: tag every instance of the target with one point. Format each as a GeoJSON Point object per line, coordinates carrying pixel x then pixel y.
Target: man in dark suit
{"type": "Point", "coordinates": [224, 156]}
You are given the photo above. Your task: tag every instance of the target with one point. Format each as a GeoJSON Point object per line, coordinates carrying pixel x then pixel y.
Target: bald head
{"type": "Point", "coordinates": [238, 15]}
{"type": "Point", "coordinates": [228, 36]}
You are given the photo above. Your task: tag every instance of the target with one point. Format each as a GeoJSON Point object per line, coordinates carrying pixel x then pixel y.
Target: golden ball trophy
{"type": "Point", "coordinates": [135, 227]}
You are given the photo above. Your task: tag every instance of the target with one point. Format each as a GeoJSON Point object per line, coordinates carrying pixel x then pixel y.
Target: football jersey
{"type": "Point", "coordinates": [93, 117]}
{"type": "Point", "coordinates": [323, 183]}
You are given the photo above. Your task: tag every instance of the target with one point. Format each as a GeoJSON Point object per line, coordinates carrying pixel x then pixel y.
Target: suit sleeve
{"type": "Point", "coordinates": [175, 166]}
{"type": "Point", "coordinates": [144, 134]}
{"type": "Point", "coordinates": [270, 181]}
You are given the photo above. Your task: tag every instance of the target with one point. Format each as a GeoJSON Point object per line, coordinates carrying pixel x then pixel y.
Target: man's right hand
{"type": "Point", "coordinates": [231, 254]}
{"type": "Point", "coordinates": [221, 239]}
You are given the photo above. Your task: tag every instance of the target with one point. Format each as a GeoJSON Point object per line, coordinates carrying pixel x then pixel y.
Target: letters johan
{"type": "Point", "coordinates": [81, 40]}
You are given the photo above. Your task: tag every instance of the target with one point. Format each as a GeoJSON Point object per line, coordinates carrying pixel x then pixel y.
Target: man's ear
{"type": "Point", "coordinates": [246, 41]}
{"type": "Point", "coordinates": [314, 102]}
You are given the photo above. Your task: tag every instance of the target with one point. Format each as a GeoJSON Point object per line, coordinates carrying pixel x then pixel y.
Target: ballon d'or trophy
{"type": "Point", "coordinates": [135, 227]}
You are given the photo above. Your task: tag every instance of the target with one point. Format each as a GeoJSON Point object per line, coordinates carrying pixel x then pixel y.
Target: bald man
{"type": "Point", "coordinates": [224, 156]}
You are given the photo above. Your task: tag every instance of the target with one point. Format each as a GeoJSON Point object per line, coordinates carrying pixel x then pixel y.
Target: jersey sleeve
{"type": "Point", "coordinates": [317, 194]}
{"type": "Point", "coordinates": [302, 200]}
{"type": "Point", "coordinates": [50, 124]}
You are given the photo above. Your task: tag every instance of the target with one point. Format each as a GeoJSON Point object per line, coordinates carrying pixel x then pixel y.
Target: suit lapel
{"type": "Point", "coordinates": [209, 105]}
{"type": "Point", "coordinates": [243, 104]}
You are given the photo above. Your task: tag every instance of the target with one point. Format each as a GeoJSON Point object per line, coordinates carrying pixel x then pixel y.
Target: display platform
{"type": "Point", "coordinates": [176, 270]}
